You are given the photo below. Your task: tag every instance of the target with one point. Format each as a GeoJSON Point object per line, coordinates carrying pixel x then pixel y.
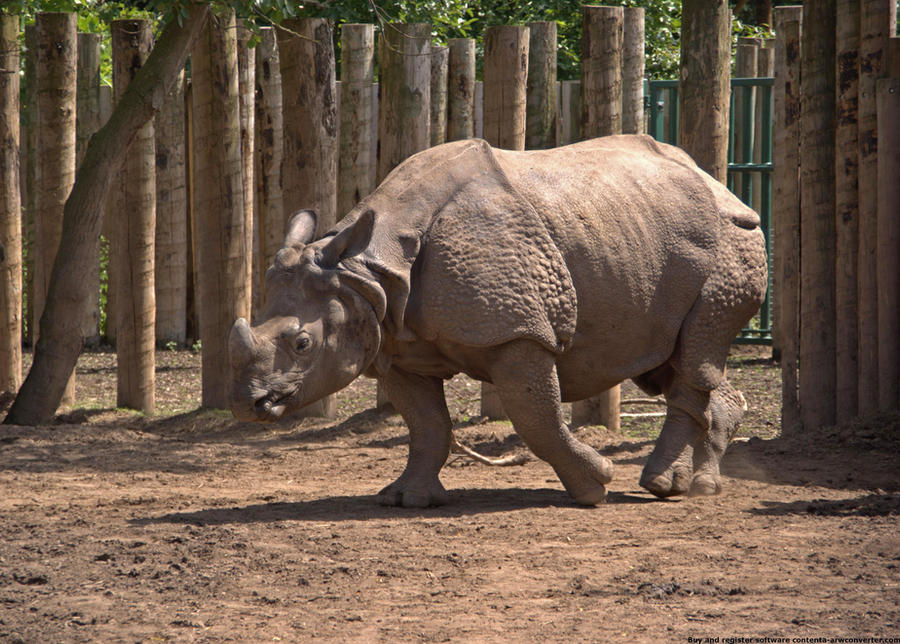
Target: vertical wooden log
{"type": "Point", "coordinates": [132, 246]}
{"type": "Point", "coordinates": [87, 121]}
{"type": "Point", "coordinates": [505, 108]}
{"type": "Point", "coordinates": [765, 68]}
{"type": "Point", "coordinates": [404, 110]}
{"type": "Point", "coordinates": [786, 206]}
{"type": "Point", "coordinates": [461, 89]}
{"type": "Point", "coordinates": [633, 72]}
{"type": "Point", "coordinates": [542, 104]}
{"type": "Point", "coordinates": [440, 58]}
{"type": "Point", "coordinates": [888, 247]}
{"type": "Point", "coordinates": [602, 42]}
{"type": "Point", "coordinates": [171, 219]}
{"type": "Point", "coordinates": [846, 206]}
{"type": "Point", "coordinates": [404, 118]}
{"type": "Point", "coordinates": [10, 210]}
{"type": "Point", "coordinates": [358, 130]}
{"type": "Point", "coordinates": [27, 168]}
{"type": "Point", "coordinates": [817, 229]}
{"type": "Point", "coordinates": [705, 87]}
{"type": "Point", "coordinates": [269, 212]}
{"type": "Point", "coordinates": [220, 241]}
{"type": "Point", "coordinates": [192, 309]}
{"type": "Point", "coordinates": [570, 112]}
{"type": "Point", "coordinates": [479, 109]}
{"type": "Point", "coordinates": [56, 77]}
{"type": "Point", "coordinates": [602, 38]}
{"type": "Point", "coordinates": [877, 24]}
{"type": "Point", "coordinates": [310, 132]}
{"type": "Point", "coordinates": [246, 91]}
{"type": "Point", "coordinates": [745, 66]}
{"type": "Point", "coordinates": [505, 82]}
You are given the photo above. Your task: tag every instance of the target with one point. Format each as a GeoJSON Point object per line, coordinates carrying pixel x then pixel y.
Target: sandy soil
{"type": "Point", "coordinates": [189, 526]}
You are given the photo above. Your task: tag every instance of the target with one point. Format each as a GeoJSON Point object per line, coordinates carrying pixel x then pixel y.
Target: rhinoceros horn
{"type": "Point", "coordinates": [241, 343]}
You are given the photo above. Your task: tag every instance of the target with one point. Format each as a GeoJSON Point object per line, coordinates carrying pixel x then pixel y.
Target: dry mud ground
{"type": "Point", "coordinates": [190, 526]}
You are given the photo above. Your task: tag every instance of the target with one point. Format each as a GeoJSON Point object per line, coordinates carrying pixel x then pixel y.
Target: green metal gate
{"type": "Point", "coordinates": [749, 176]}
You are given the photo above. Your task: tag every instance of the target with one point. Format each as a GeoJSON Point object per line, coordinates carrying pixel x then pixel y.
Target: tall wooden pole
{"type": "Point", "coordinates": [10, 210]}
{"type": "Point", "coordinates": [602, 40]}
{"type": "Point", "coordinates": [269, 215]}
{"type": "Point", "coordinates": [461, 89]}
{"type": "Point", "coordinates": [786, 205]}
{"type": "Point", "coordinates": [246, 90]}
{"type": "Point", "coordinates": [745, 66]}
{"type": "Point", "coordinates": [440, 58]}
{"type": "Point", "coordinates": [888, 107]}
{"type": "Point", "coordinates": [310, 132]}
{"type": "Point", "coordinates": [27, 168]}
{"type": "Point", "coordinates": [132, 246]}
{"type": "Point", "coordinates": [705, 89]}
{"type": "Point", "coordinates": [223, 292]}
{"type": "Point", "coordinates": [633, 72]}
{"type": "Point", "coordinates": [817, 228]}
{"type": "Point", "coordinates": [87, 123]}
{"type": "Point", "coordinates": [56, 74]}
{"type": "Point", "coordinates": [505, 108]}
{"type": "Point", "coordinates": [171, 219]}
{"type": "Point", "coordinates": [846, 207]}
{"type": "Point", "coordinates": [877, 24]}
{"type": "Point", "coordinates": [358, 130]}
{"type": "Point", "coordinates": [542, 104]}
{"type": "Point", "coordinates": [505, 82]}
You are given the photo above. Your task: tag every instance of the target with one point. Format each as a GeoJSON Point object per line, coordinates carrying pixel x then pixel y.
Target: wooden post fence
{"type": "Point", "coordinates": [542, 106]}
{"type": "Point", "coordinates": [461, 89]}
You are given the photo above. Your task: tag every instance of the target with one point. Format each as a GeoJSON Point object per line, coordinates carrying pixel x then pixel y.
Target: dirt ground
{"type": "Point", "coordinates": [189, 526]}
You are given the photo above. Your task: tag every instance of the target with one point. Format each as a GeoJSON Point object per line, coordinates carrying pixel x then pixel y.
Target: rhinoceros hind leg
{"type": "Point", "coordinates": [726, 405]}
{"type": "Point", "coordinates": [670, 468]}
{"type": "Point", "coordinates": [420, 400]}
{"type": "Point", "coordinates": [524, 374]}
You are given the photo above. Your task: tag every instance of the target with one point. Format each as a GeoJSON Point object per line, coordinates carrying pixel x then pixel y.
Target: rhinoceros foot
{"type": "Point", "coordinates": [705, 484]}
{"type": "Point", "coordinates": [672, 482]}
{"type": "Point", "coordinates": [411, 493]}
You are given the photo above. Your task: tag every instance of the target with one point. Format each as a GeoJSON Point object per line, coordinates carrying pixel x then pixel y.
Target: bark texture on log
{"type": "Point", "coordinates": [358, 129]}
{"type": "Point", "coordinates": [817, 229]}
{"type": "Point", "coordinates": [461, 89]}
{"type": "Point", "coordinates": [440, 57]}
{"type": "Point", "coordinates": [542, 103]}
{"type": "Point", "coordinates": [705, 89]}
{"type": "Point", "coordinates": [602, 40]}
{"type": "Point", "coordinates": [10, 210]}
{"type": "Point", "coordinates": [786, 205]}
{"type": "Point", "coordinates": [505, 82]}
{"type": "Point", "coordinates": [633, 72]}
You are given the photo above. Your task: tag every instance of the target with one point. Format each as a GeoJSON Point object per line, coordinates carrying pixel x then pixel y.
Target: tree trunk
{"type": "Point", "coordinates": [542, 106]}
{"type": "Point", "coordinates": [633, 72]}
{"type": "Point", "coordinates": [55, 153]}
{"type": "Point", "coordinates": [57, 350]}
{"type": "Point", "coordinates": [404, 108]}
{"type": "Point", "coordinates": [461, 89]}
{"type": "Point", "coordinates": [87, 123]}
{"type": "Point", "coordinates": [888, 101]}
{"type": "Point", "coordinates": [569, 112]}
{"type": "Point", "coordinates": [505, 109]}
{"type": "Point", "coordinates": [27, 168]}
{"type": "Point", "coordinates": [817, 228]}
{"type": "Point", "coordinates": [10, 210]}
{"type": "Point", "coordinates": [269, 141]}
{"type": "Point", "coordinates": [357, 174]}
{"type": "Point", "coordinates": [438, 105]}
{"type": "Point", "coordinates": [786, 205]}
{"type": "Point", "coordinates": [877, 24]}
{"type": "Point", "coordinates": [704, 89]}
{"type": "Point", "coordinates": [247, 89]}
{"type": "Point", "coordinates": [602, 38]}
{"type": "Point", "coordinates": [310, 133]}
{"type": "Point", "coordinates": [171, 219]}
{"type": "Point", "coordinates": [133, 241]}
{"type": "Point", "coordinates": [221, 240]}
{"type": "Point", "coordinates": [846, 206]}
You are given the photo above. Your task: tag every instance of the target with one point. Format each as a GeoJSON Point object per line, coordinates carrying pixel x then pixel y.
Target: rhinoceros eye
{"type": "Point", "coordinates": [303, 343]}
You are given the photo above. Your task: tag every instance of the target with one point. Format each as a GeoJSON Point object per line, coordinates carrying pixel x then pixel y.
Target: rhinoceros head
{"type": "Point", "coordinates": [315, 334]}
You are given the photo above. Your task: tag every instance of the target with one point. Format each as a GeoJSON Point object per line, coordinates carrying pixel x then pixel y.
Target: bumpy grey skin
{"type": "Point", "coordinates": [552, 274]}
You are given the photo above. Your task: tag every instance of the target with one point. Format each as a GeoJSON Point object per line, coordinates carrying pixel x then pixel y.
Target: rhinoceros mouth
{"type": "Point", "coordinates": [271, 406]}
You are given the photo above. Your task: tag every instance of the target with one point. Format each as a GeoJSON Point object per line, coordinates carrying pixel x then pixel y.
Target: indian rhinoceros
{"type": "Point", "coordinates": [552, 274]}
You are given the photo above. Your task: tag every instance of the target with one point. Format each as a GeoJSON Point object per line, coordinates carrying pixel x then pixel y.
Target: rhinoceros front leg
{"type": "Point", "coordinates": [524, 374]}
{"type": "Point", "coordinates": [420, 400]}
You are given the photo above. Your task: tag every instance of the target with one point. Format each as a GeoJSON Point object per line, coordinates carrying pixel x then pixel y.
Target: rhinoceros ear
{"type": "Point", "coordinates": [301, 230]}
{"type": "Point", "coordinates": [351, 241]}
